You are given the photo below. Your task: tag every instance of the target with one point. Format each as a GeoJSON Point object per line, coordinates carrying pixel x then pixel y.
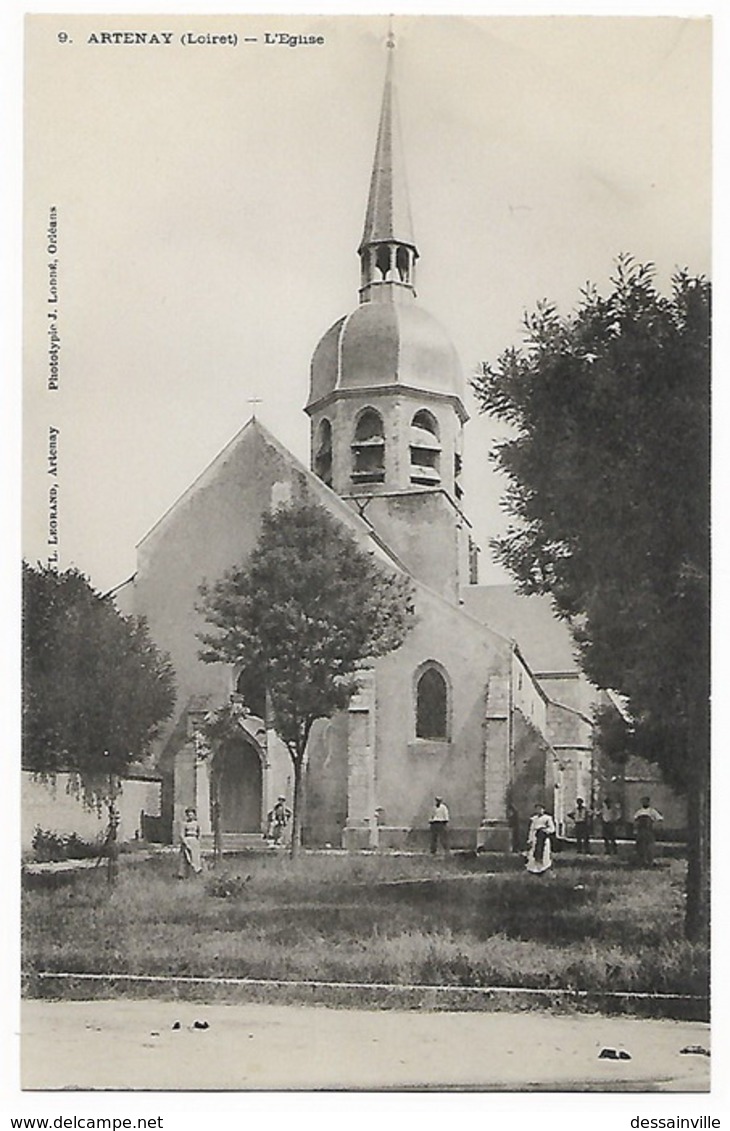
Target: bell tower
{"type": "Point", "coordinates": [386, 391]}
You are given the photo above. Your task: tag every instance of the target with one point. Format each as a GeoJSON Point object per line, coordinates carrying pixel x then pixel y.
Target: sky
{"type": "Point", "coordinates": [210, 200]}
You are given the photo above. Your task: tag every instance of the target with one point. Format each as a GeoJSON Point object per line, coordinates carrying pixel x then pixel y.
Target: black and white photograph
{"type": "Point", "coordinates": [365, 725]}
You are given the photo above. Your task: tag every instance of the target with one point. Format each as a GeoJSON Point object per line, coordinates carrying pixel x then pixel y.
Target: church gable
{"type": "Point", "coordinates": [219, 517]}
{"type": "Point", "coordinates": [212, 527]}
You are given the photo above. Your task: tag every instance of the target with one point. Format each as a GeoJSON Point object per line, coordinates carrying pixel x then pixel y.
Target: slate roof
{"type": "Point", "coordinates": [544, 641]}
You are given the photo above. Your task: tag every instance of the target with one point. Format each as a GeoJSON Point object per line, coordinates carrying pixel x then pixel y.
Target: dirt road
{"type": "Point", "coordinates": [135, 1045]}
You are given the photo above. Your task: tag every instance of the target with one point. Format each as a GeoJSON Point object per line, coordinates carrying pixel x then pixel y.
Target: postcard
{"type": "Point", "coordinates": [314, 796]}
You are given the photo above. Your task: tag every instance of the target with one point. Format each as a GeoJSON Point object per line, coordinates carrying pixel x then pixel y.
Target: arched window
{"type": "Point", "coordinates": [253, 693]}
{"type": "Point", "coordinates": [432, 715]}
{"type": "Point", "coordinates": [368, 448]}
{"type": "Point", "coordinates": [425, 449]}
{"type": "Point", "coordinates": [323, 456]}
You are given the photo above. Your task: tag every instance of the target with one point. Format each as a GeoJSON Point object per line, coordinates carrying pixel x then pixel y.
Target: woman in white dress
{"type": "Point", "coordinates": [539, 853]}
{"type": "Point", "coordinates": [190, 860]}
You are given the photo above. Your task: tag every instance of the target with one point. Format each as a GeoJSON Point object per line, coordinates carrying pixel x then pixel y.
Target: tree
{"type": "Point", "coordinates": [299, 618]}
{"type": "Point", "coordinates": [95, 687]}
{"type": "Point", "coordinates": [608, 469]}
{"type": "Point", "coordinates": [213, 743]}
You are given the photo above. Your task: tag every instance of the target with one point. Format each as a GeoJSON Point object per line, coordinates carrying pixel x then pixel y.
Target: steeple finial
{"type": "Point", "coordinates": [387, 249]}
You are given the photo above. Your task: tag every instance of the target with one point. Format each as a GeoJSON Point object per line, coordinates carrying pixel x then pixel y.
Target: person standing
{"type": "Point", "coordinates": [280, 818]}
{"type": "Point", "coordinates": [439, 825]}
{"type": "Point", "coordinates": [581, 822]}
{"type": "Point", "coordinates": [610, 816]}
{"type": "Point", "coordinates": [645, 821]}
{"type": "Point", "coordinates": [190, 857]}
{"type": "Point", "coordinates": [539, 848]}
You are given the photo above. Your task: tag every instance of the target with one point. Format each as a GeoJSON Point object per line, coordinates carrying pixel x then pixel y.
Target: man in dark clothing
{"type": "Point", "coordinates": [439, 825]}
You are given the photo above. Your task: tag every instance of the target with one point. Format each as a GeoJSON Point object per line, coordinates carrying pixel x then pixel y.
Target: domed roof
{"type": "Point", "coordinates": [385, 343]}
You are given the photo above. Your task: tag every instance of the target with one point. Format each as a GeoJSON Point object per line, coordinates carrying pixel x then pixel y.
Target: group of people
{"type": "Point", "coordinates": [190, 860]}
{"type": "Point", "coordinates": [542, 830]}
{"type": "Point", "coordinates": [583, 818]}
{"type": "Point", "coordinates": [540, 833]}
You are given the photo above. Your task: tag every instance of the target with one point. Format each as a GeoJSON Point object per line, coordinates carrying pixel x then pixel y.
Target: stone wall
{"type": "Point", "coordinates": [325, 814]}
{"type": "Point", "coordinates": [428, 534]}
{"type": "Point", "coordinates": [532, 777]}
{"type": "Point", "coordinates": [411, 771]}
{"type": "Point", "coordinates": [56, 805]}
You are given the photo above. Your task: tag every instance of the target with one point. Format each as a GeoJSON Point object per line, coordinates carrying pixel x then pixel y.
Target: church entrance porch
{"type": "Point", "coordinates": [240, 789]}
{"type": "Point", "coordinates": [228, 785]}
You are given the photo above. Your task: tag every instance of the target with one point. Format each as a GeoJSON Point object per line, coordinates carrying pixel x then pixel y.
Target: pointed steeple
{"type": "Point", "coordinates": [388, 250]}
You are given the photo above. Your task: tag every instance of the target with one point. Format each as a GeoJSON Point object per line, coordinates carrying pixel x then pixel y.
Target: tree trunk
{"type": "Point", "coordinates": [697, 912]}
{"type": "Point", "coordinates": [296, 820]}
{"type": "Point", "coordinates": [215, 820]}
{"type": "Point", "coordinates": [112, 843]}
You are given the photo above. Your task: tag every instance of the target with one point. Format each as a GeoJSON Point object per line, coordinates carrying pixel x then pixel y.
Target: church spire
{"type": "Point", "coordinates": [387, 250]}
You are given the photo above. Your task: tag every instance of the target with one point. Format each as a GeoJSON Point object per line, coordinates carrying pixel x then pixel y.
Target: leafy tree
{"type": "Point", "coordinates": [95, 687]}
{"type": "Point", "coordinates": [300, 617]}
{"type": "Point", "coordinates": [608, 468]}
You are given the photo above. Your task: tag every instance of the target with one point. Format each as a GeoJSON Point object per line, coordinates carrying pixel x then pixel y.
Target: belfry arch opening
{"type": "Point", "coordinates": [425, 449]}
{"type": "Point", "coordinates": [323, 453]}
{"type": "Point", "coordinates": [368, 448]}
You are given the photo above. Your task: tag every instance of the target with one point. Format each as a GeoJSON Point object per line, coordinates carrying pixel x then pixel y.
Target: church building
{"type": "Point", "coordinates": [463, 709]}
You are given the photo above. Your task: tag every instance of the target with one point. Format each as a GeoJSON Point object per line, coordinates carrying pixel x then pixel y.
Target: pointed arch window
{"type": "Point", "coordinates": [432, 704]}
{"type": "Point", "coordinates": [252, 692]}
{"type": "Point", "coordinates": [323, 456]}
{"type": "Point", "coordinates": [368, 448]}
{"type": "Point", "coordinates": [425, 449]}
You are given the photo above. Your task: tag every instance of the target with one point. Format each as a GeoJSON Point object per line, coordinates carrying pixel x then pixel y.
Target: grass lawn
{"type": "Point", "coordinates": [594, 924]}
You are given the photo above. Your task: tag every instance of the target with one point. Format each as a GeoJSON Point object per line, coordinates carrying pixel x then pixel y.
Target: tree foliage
{"type": "Point", "coordinates": [608, 481]}
{"type": "Point", "coordinates": [95, 687]}
{"type": "Point", "coordinates": [300, 617]}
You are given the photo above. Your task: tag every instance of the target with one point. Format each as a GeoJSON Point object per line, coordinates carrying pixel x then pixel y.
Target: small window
{"type": "Point", "coordinates": [431, 705]}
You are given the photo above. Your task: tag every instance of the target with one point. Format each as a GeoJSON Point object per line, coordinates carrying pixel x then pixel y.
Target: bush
{"type": "Point", "coordinates": [225, 886]}
{"type": "Point", "coordinates": [49, 846]}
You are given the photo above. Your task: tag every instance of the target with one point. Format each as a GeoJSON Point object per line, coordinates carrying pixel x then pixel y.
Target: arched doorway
{"type": "Point", "coordinates": [240, 789]}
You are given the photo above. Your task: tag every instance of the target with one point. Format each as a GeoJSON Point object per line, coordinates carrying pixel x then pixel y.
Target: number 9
{"type": "Point", "coordinates": [62, 37]}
